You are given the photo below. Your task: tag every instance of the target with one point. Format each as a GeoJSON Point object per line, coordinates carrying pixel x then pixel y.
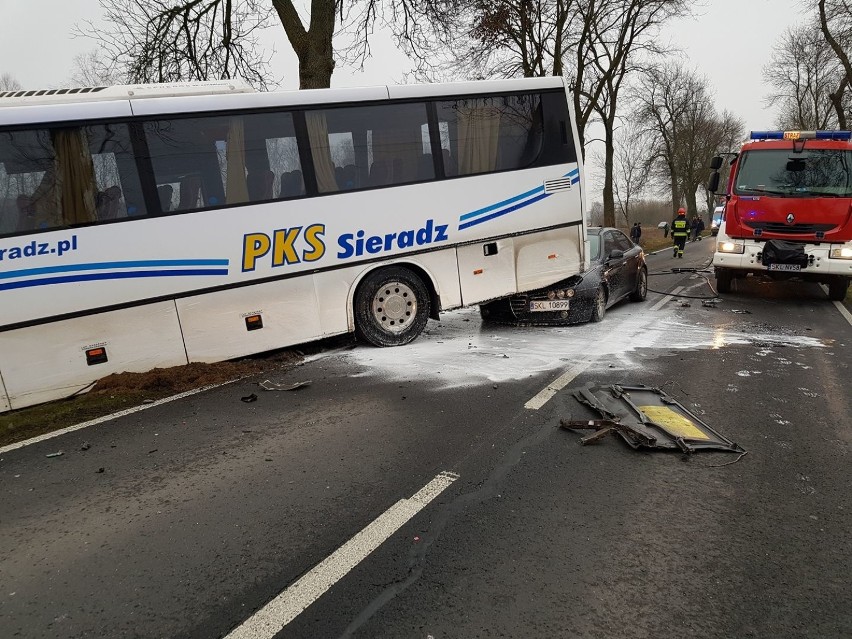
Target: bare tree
{"type": "Point", "coordinates": [594, 43]}
{"type": "Point", "coordinates": [620, 37]}
{"type": "Point", "coordinates": [91, 70]}
{"type": "Point", "coordinates": [9, 83]}
{"type": "Point", "coordinates": [166, 41]}
{"type": "Point", "coordinates": [631, 165]}
{"type": "Point", "coordinates": [664, 94]}
{"type": "Point", "coordinates": [676, 106]}
{"type": "Point", "coordinates": [804, 72]}
{"type": "Point", "coordinates": [835, 20]}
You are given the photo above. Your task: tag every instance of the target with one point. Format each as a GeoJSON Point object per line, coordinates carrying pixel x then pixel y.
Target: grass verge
{"type": "Point", "coordinates": [125, 390]}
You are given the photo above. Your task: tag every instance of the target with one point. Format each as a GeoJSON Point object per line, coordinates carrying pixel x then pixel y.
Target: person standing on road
{"type": "Point", "coordinates": [680, 232]}
{"type": "Point", "coordinates": [694, 228]}
{"type": "Point", "coordinates": [634, 232]}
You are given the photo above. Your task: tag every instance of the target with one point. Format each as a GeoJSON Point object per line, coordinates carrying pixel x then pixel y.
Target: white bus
{"type": "Point", "coordinates": [154, 226]}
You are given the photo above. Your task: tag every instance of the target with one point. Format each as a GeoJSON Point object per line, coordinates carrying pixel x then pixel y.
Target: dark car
{"type": "Point", "coordinates": [617, 271]}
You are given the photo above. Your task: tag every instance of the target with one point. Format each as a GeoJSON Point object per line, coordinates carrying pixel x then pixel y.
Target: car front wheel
{"type": "Point", "coordinates": [641, 291]}
{"type": "Point", "coordinates": [599, 308]}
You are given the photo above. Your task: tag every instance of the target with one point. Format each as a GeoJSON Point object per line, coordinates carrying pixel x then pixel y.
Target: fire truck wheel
{"type": "Point", "coordinates": [723, 281]}
{"type": "Point", "coordinates": [837, 289]}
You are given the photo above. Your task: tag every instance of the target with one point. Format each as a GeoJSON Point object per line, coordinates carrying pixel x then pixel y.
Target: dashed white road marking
{"type": "Point", "coordinates": [269, 620]}
{"type": "Point", "coordinates": [547, 393]}
{"type": "Point", "coordinates": [670, 296]}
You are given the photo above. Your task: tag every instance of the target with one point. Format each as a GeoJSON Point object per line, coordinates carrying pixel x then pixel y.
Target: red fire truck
{"type": "Point", "coordinates": [788, 209]}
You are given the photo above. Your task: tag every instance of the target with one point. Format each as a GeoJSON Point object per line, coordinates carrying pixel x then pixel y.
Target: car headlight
{"type": "Point", "coordinates": [569, 292]}
{"type": "Point", "coordinates": [551, 295]}
{"type": "Point", "coordinates": [560, 294]}
{"type": "Point", "coordinates": [730, 247]}
{"type": "Point", "coordinates": [843, 253]}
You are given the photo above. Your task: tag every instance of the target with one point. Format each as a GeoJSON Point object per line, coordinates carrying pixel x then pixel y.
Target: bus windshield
{"type": "Point", "coordinates": [813, 173]}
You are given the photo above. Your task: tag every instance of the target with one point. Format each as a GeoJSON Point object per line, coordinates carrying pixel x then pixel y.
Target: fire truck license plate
{"type": "Point", "coordinates": [785, 267]}
{"type": "Point", "coordinates": [550, 305]}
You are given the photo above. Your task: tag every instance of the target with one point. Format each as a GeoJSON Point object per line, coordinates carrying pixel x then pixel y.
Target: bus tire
{"type": "Point", "coordinates": [391, 307]}
{"type": "Point", "coordinates": [723, 280]}
{"type": "Point", "coordinates": [837, 289]}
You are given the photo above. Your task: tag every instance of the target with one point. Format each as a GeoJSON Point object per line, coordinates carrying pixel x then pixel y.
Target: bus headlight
{"type": "Point", "coordinates": [730, 247]}
{"type": "Point", "coordinates": [844, 253]}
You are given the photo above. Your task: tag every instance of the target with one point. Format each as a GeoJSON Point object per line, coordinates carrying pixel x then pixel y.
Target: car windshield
{"type": "Point", "coordinates": [812, 173]}
{"type": "Point", "coordinates": [595, 245]}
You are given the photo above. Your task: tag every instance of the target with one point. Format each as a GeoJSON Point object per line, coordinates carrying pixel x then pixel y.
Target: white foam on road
{"type": "Point", "coordinates": [462, 351]}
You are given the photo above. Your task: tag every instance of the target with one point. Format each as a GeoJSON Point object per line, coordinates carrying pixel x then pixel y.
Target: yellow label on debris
{"type": "Point", "coordinates": [673, 422]}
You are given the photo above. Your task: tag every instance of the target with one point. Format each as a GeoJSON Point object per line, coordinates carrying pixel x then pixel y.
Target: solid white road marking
{"type": "Point", "coordinates": [106, 418]}
{"type": "Point", "coordinates": [269, 620]}
{"type": "Point", "coordinates": [843, 311]}
{"type": "Point", "coordinates": [546, 394]}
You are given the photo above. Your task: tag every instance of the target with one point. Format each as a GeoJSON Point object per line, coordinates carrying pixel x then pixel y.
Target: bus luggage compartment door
{"type": "Point", "coordinates": [487, 270]}
{"type": "Point", "coordinates": [50, 361]}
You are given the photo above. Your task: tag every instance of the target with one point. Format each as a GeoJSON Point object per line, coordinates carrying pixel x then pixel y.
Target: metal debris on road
{"type": "Point", "coordinates": [740, 311]}
{"type": "Point", "coordinates": [59, 454]}
{"type": "Point", "coordinates": [271, 386]}
{"type": "Point", "coordinates": [646, 417]}
{"type": "Point", "coordinates": [249, 398]}
{"type": "Point", "coordinates": [710, 303]}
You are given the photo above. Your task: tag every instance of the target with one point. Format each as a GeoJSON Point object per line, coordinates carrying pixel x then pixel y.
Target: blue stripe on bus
{"type": "Point", "coordinates": [98, 266]}
{"type": "Point", "coordinates": [503, 212]}
{"type": "Point", "coordinates": [511, 200]}
{"type": "Point", "coordinates": [573, 174]}
{"type": "Point", "coordinates": [89, 277]}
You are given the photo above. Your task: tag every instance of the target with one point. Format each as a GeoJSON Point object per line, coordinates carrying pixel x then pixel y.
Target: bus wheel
{"type": "Point", "coordinates": [391, 307]}
{"type": "Point", "coordinates": [837, 289]}
{"type": "Point", "coordinates": [723, 281]}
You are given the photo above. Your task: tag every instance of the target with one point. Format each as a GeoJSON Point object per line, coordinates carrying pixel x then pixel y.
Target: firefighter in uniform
{"type": "Point", "coordinates": [680, 232]}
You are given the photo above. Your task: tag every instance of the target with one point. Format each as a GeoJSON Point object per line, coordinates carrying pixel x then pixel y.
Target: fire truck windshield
{"type": "Point", "coordinates": [812, 173]}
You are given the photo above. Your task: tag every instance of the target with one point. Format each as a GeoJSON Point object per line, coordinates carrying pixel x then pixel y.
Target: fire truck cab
{"type": "Point", "coordinates": [788, 209]}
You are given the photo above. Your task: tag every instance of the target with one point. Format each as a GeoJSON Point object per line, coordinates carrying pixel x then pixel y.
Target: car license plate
{"type": "Point", "coordinates": [785, 267]}
{"type": "Point", "coordinates": [550, 305]}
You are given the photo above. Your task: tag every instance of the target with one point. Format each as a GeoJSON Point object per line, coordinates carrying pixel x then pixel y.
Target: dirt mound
{"type": "Point", "coordinates": [178, 379]}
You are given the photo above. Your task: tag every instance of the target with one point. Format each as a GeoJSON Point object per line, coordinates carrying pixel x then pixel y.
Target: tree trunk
{"type": "Point", "coordinates": [313, 47]}
{"type": "Point", "coordinates": [675, 190]}
{"type": "Point", "coordinates": [608, 199]}
{"type": "Point", "coordinates": [691, 203]}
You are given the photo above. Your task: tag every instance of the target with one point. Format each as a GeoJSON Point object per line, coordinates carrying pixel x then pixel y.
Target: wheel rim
{"type": "Point", "coordinates": [643, 284]}
{"type": "Point", "coordinates": [394, 306]}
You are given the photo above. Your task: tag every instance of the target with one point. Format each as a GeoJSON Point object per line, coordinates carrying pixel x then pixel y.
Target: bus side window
{"type": "Point", "coordinates": [369, 146]}
{"type": "Point", "coordinates": [70, 176]}
{"type": "Point", "coordinates": [483, 135]}
{"type": "Point", "coordinates": [119, 190]}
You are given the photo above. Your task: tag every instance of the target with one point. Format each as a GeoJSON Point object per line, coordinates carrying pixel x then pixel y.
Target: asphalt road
{"type": "Point", "coordinates": [208, 508]}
